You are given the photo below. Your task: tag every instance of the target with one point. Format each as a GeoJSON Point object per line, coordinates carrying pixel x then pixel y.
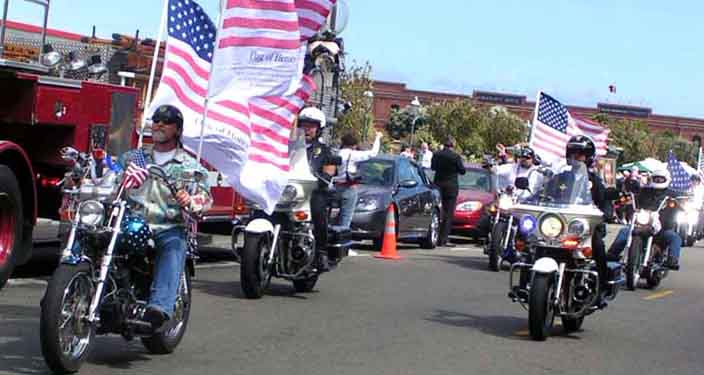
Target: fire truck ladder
{"type": "Point", "coordinates": [31, 66]}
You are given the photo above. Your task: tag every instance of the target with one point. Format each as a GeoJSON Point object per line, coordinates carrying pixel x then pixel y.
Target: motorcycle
{"type": "Point", "coordinates": [282, 244]}
{"type": "Point", "coordinates": [645, 258]}
{"type": "Point", "coordinates": [103, 280]}
{"type": "Point", "coordinates": [558, 275]}
{"type": "Point", "coordinates": [687, 221]}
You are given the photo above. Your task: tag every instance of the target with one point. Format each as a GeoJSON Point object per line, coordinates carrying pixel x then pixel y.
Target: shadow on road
{"type": "Point", "coordinates": [509, 327]}
{"type": "Point", "coordinates": [233, 289]}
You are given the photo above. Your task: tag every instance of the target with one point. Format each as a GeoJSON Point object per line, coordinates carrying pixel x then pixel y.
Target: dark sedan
{"type": "Point", "coordinates": [396, 180]}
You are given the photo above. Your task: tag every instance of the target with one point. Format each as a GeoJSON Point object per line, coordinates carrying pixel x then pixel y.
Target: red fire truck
{"type": "Point", "coordinates": [43, 107]}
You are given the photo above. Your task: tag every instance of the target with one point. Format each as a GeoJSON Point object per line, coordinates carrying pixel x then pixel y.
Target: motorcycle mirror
{"type": "Point", "coordinates": [522, 183]}
{"type": "Point", "coordinates": [408, 184]}
{"type": "Point", "coordinates": [69, 153]}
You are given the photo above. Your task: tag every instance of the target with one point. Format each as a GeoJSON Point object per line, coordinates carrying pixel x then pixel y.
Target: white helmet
{"type": "Point", "coordinates": [312, 114]}
{"type": "Point", "coordinates": [660, 179]}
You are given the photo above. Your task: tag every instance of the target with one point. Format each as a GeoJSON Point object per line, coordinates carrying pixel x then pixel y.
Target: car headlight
{"type": "Point", "coordinates": [368, 203]}
{"type": "Point", "coordinates": [643, 218]}
{"type": "Point", "coordinates": [505, 202]}
{"type": "Point", "coordinates": [551, 226]}
{"type": "Point", "coordinates": [469, 206]}
{"type": "Point", "coordinates": [92, 212]}
{"type": "Point", "coordinates": [578, 227]}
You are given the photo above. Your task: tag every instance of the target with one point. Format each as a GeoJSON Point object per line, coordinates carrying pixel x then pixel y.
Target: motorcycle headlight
{"type": "Point", "coordinates": [643, 218]}
{"type": "Point", "coordinates": [469, 206]}
{"type": "Point", "coordinates": [578, 227]}
{"type": "Point", "coordinates": [92, 212]}
{"type": "Point", "coordinates": [368, 204]}
{"type": "Point", "coordinates": [527, 224]}
{"type": "Point", "coordinates": [551, 226]}
{"type": "Point", "coordinates": [505, 202]}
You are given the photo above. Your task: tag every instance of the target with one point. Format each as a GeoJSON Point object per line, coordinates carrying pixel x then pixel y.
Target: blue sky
{"type": "Point", "coordinates": [573, 49]}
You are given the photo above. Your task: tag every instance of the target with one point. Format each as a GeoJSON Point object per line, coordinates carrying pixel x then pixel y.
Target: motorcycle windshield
{"type": "Point", "coordinates": [570, 186]}
{"type": "Point", "coordinates": [298, 158]}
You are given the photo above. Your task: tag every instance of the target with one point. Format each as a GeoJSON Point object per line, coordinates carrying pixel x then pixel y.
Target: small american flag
{"type": "Point", "coordinates": [553, 126]}
{"type": "Point", "coordinates": [136, 172]}
{"type": "Point", "coordinates": [680, 178]}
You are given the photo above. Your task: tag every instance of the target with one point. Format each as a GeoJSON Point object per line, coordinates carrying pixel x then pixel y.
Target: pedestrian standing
{"type": "Point", "coordinates": [426, 156]}
{"type": "Point", "coordinates": [447, 165]}
{"type": "Point", "coordinates": [406, 152]}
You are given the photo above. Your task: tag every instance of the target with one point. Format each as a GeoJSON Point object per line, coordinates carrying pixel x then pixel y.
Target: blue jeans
{"type": "Point", "coordinates": [672, 240]}
{"type": "Point", "coordinates": [347, 206]}
{"type": "Point", "coordinates": [170, 262]}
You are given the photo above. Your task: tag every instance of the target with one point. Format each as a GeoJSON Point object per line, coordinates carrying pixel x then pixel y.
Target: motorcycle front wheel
{"type": "Point", "coordinates": [66, 335]}
{"type": "Point", "coordinates": [541, 310]}
{"type": "Point", "coordinates": [633, 267]}
{"type": "Point", "coordinates": [496, 246]}
{"type": "Point", "coordinates": [255, 273]}
{"type": "Point", "coordinates": [167, 341]}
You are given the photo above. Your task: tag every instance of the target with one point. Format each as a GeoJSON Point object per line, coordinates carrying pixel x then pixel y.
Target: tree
{"type": "Point", "coordinates": [359, 119]}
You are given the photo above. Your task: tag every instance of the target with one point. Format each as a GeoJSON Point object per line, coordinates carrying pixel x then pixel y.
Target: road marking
{"type": "Point", "coordinates": [475, 249]}
{"type": "Point", "coordinates": [659, 295]}
{"type": "Point", "coordinates": [217, 265]}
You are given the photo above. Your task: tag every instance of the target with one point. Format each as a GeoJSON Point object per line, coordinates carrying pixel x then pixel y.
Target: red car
{"type": "Point", "coordinates": [477, 192]}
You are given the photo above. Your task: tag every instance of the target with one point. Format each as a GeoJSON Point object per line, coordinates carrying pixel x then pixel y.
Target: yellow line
{"type": "Point", "coordinates": [662, 294]}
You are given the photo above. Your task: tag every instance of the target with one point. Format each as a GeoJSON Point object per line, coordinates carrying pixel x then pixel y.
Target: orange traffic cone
{"type": "Point", "coordinates": [388, 246]}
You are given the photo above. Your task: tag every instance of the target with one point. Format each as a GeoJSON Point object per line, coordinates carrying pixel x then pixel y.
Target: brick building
{"type": "Point", "coordinates": [388, 95]}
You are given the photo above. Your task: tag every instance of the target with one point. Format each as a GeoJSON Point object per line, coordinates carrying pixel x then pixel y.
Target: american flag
{"type": "Point", "coordinates": [136, 172]}
{"type": "Point", "coordinates": [553, 126]}
{"type": "Point", "coordinates": [680, 178]}
{"type": "Point", "coordinates": [245, 138]}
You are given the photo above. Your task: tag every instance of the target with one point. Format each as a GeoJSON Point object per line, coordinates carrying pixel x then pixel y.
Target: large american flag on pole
{"type": "Point", "coordinates": [553, 126]}
{"type": "Point", "coordinates": [248, 122]}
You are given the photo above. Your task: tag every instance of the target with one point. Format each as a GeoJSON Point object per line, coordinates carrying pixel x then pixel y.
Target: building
{"type": "Point", "coordinates": [389, 95]}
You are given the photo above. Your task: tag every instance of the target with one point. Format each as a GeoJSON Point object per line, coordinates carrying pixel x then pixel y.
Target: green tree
{"type": "Point", "coordinates": [359, 119]}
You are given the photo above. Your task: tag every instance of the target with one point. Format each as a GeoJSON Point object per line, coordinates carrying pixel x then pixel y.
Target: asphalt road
{"type": "Point", "coordinates": [434, 312]}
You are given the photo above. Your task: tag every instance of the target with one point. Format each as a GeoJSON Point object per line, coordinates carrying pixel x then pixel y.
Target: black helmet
{"type": "Point", "coordinates": [168, 114]}
{"type": "Point", "coordinates": [581, 145]}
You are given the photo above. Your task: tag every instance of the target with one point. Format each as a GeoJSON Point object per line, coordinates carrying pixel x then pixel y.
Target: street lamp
{"type": "Point", "coordinates": [415, 109]}
{"type": "Point", "coordinates": [369, 95]}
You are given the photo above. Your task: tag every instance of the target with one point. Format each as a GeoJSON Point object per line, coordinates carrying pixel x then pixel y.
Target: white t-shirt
{"type": "Point", "coordinates": [162, 158]}
{"type": "Point", "coordinates": [426, 159]}
{"type": "Point", "coordinates": [351, 157]}
{"type": "Point", "coordinates": [506, 175]}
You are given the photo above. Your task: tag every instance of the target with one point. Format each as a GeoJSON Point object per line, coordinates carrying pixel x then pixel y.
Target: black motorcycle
{"type": "Point", "coordinates": [102, 284]}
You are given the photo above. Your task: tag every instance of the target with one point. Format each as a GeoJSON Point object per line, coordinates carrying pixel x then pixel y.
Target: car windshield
{"type": "Point", "coordinates": [475, 180]}
{"type": "Point", "coordinates": [376, 172]}
{"type": "Point", "coordinates": [569, 186]}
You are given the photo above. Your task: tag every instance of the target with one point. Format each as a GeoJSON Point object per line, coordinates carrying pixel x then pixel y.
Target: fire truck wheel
{"type": "Point", "coordinates": [11, 219]}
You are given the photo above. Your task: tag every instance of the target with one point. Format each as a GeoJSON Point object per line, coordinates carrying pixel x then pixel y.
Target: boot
{"type": "Point", "coordinates": [673, 263]}
{"type": "Point", "coordinates": [323, 263]}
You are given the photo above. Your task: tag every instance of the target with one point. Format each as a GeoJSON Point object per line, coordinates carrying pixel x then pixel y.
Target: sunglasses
{"type": "Point", "coordinates": [164, 120]}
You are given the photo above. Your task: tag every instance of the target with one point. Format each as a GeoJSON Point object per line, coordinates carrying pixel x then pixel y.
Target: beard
{"type": "Point", "coordinates": [159, 136]}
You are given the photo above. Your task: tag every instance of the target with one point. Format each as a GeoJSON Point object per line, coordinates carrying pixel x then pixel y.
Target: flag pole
{"type": "Point", "coordinates": [221, 17]}
{"type": "Point", "coordinates": [699, 160]}
{"type": "Point", "coordinates": [152, 73]}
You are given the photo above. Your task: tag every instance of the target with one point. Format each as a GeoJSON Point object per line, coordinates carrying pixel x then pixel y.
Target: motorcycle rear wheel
{"type": "Point", "coordinates": [167, 341]}
{"type": "Point", "coordinates": [496, 246]}
{"type": "Point", "coordinates": [541, 311]}
{"type": "Point", "coordinates": [633, 267]}
{"type": "Point", "coordinates": [254, 272]}
{"type": "Point", "coordinates": [305, 285]}
{"type": "Point", "coordinates": [66, 336]}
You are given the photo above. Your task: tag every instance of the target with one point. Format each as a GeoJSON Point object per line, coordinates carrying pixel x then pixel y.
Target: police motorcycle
{"type": "Point", "coordinates": [282, 244]}
{"type": "Point", "coordinates": [558, 276]}
{"type": "Point", "coordinates": [102, 283]}
{"type": "Point", "coordinates": [645, 258]}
